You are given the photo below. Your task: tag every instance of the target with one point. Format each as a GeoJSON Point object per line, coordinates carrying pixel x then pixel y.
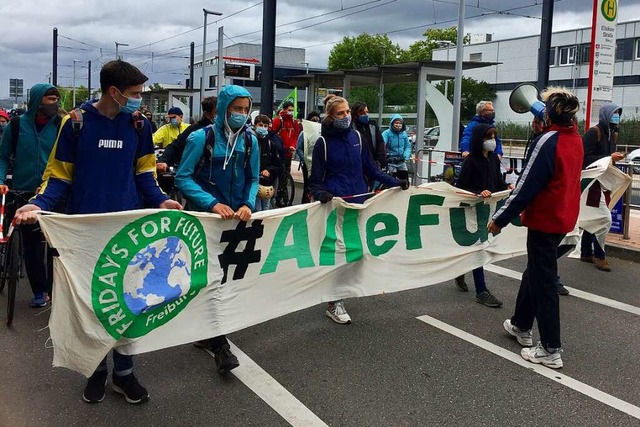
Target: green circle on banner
{"type": "Point", "coordinates": [609, 9]}
{"type": "Point", "coordinates": [149, 272]}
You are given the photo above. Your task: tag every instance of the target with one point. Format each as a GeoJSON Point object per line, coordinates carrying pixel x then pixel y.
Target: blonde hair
{"type": "Point", "coordinates": [561, 104]}
{"type": "Point", "coordinates": [331, 101]}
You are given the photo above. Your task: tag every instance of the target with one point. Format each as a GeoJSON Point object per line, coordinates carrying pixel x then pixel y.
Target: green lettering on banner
{"type": "Point", "coordinates": [328, 247]}
{"type": "Point", "coordinates": [298, 250]}
{"type": "Point", "coordinates": [415, 218]}
{"type": "Point", "coordinates": [391, 228]}
{"type": "Point", "coordinates": [351, 234]}
{"type": "Point", "coordinates": [459, 228]}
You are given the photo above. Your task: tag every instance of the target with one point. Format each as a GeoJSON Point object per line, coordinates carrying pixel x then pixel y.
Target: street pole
{"type": "Point", "coordinates": [73, 105]}
{"type": "Point", "coordinates": [448, 44]}
{"type": "Point", "coordinates": [220, 78]}
{"type": "Point", "coordinates": [89, 80]}
{"type": "Point", "coordinates": [545, 44]}
{"type": "Point", "coordinates": [192, 52]}
{"type": "Point", "coordinates": [204, 51]}
{"type": "Point", "coordinates": [268, 56]}
{"type": "Point", "coordinates": [54, 81]}
{"type": "Point", "coordinates": [457, 93]}
{"type": "Point", "coordinates": [119, 44]}
{"type": "Point", "coordinates": [306, 91]}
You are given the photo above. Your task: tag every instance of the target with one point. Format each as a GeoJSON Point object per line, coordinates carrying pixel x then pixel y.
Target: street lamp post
{"type": "Point", "coordinates": [119, 44]}
{"type": "Point", "coordinates": [306, 91]}
{"type": "Point", "coordinates": [448, 44]}
{"type": "Point", "coordinates": [74, 83]}
{"type": "Point", "coordinates": [204, 51]}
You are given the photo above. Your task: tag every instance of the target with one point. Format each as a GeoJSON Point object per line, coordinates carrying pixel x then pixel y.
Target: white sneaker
{"type": "Point", "coordinates": [524, 338]}
{"type": "Point", "coordinates": [538, 354]}
{"type": "Point", "coordinates": [337, 313]}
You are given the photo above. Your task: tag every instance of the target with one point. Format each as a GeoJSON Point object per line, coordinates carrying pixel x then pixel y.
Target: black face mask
{"type": "Point", "coordinates": [49, 110]}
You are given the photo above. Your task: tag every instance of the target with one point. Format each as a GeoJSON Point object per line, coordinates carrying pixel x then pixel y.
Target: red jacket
{"type": "Point", "coordinates": [288, 129]}
{"type": "Point", "coordinates": [548, 190]}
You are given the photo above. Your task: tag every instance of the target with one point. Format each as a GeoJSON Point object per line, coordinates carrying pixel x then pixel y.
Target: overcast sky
{"type": "Point", "coordinates": [88, 29]}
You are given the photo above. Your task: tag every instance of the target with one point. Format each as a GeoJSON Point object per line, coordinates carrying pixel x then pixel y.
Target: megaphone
{"type": "Point", "coordinates": [524, 99]}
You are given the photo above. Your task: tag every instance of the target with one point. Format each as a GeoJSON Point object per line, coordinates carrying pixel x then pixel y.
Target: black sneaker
{"type": "Point", "coordinates": [94, 390]}
{"type": "Point", "coordinates": [461, 284]}
{"type": "Point", "coordinates": [225, 360]}
{"type": "Point", "coordinates": [130, 388]}
{"type": "Point", "coordinates": [486, 298]}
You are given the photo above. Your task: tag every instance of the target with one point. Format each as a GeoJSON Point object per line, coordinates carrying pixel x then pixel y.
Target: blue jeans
{"type": "Point", "coordinates": [122, 364]}
{"type": "Point", "coordinates": [262, 204]}
{"type": "Point", "coordinates": [590, 246]}
{"type": "Point", "coordinates": [478, 280]}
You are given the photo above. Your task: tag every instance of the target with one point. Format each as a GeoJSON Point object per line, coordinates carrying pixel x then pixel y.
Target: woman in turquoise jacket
{"type": "Point", "coordinates": [398, 147]}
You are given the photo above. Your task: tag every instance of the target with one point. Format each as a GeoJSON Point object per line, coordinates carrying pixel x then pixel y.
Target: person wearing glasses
{"type": "Point", "coordinates": [485, 113]}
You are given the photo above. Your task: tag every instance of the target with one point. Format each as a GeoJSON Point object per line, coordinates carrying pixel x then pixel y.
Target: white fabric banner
{"type": "Point", "coordinates": [149, 279]}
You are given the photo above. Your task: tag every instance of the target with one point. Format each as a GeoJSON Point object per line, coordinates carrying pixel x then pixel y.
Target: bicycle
{"type": "Point", "coordinates": [12, 252]}
{"type": "Point", "coordinates": [286, 190]}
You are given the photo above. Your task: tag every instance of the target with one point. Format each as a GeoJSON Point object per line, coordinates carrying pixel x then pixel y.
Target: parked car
{"type": "Point", "coordinates": [431, 136]}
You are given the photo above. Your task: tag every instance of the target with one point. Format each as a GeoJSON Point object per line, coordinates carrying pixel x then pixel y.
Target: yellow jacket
{"type": "Point", "coordinates": [166, 134]}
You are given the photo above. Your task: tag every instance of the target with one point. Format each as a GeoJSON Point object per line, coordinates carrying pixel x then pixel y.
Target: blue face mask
{"type": "Point", "coordinates": [262, 132]}
{"type": "Point", "coordinates": [343, 123]}
{"type": "Point", "coordinates": [174, 121]}
{"type": "Point", "coordinates": [364, 119]}
{"type": "Point", "coordinates": [132, 104]}
{"type": "Point", "coordinates": [236, 120]}
{"type": "Point", "coordinates": [615, 119]}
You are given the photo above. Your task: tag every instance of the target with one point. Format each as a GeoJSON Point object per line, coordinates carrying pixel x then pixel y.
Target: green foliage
{"type": "Point", "coordinates": [473, 92]}
{"type": "Point", "coordinates": [155, 86]}
{"type": "Point", "coordinates": [422, 50]}
{"type": "Point", "coordinates": [66, 96]}
{"type": "Point", "coordinates": [364, 50]}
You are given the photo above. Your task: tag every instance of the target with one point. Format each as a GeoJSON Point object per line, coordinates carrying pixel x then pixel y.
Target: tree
{"type": "Point", "coordinates": [473, 91]}
{"type": "Point", "coordinates": [422, 49]}
{"type": "Point", "coordinates": [155, 86]}
{"type": "Point", "coordinates": [364, 50]}
{"type": "Point", "coordinates": [66, 97]}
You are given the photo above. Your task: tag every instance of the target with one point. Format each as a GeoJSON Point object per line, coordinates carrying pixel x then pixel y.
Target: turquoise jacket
{"type": "Point", "coordinates": [397, 143]}
{"type": "Point", "coordinates": [33, 147]}
{"type": "Point", "coordinates": [234, 185]}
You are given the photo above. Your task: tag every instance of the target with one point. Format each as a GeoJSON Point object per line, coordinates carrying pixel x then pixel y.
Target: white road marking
{"type": "Point", "coordinates": [549, 373]}
{"type": "Point", "coordinates": [573, 291]}
{"type": "Point", "coordinates": [272, 392]}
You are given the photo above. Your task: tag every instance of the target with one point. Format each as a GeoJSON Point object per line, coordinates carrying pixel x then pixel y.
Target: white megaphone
{"type": "Point", "coordinates": [524, 99]}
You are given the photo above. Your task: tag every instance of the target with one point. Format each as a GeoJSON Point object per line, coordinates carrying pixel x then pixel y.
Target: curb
{"type": "Point", "coordinates": [622, 252]}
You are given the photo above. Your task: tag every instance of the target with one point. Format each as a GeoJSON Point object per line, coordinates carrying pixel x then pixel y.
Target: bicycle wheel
{"type": "Point", "coordinates": [13, 272]}
{"type": "Point", "coordinates": [289, 190]}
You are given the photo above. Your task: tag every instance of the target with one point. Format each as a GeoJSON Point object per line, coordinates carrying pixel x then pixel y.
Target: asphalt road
{"type": "Point", "coordinates": [388, 368]}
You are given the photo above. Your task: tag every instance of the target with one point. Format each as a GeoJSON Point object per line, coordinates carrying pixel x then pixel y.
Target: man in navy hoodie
{"type": "Point", "coordinates": [76, 171]}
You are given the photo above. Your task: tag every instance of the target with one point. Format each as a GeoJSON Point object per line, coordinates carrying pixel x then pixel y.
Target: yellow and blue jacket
{"type": "Point", "coordinates": [107, 166]}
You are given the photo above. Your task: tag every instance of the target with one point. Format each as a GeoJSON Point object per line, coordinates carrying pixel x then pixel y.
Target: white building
{"type": "Point", "coordinates": [569, 66]}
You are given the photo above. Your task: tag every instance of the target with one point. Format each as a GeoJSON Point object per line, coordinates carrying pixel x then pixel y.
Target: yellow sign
{"type": "Point", "coordinates": [609, 9]}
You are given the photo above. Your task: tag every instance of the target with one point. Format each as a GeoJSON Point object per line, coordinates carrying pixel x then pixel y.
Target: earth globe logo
{"type": "Point", "coordinates": [158, 274]}
{"type": "Point", "coordinates": [148, 272]}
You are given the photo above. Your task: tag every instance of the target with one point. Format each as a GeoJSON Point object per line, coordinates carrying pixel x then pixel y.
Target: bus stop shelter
{"type": "Point", "coordinates": [422, 73]}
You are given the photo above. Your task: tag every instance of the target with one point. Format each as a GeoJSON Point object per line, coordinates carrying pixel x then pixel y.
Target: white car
{"type": "Point", "coordinates": [634, 157]}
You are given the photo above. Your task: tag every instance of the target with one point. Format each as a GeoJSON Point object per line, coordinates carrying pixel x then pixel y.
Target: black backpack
{"type": "Point", "coordinates": [210, 140]}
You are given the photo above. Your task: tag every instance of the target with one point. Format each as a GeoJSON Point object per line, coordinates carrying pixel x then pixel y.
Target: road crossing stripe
{"type": "Point", "coordinates": [549, 373]}
{"type": "Point", "coordinates": [573, 291]}
{"type": "Point", "coordinates": [272, 392]}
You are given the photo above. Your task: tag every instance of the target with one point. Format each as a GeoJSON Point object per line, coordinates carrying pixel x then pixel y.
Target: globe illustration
{"type": "Point", "coordinates": [157, 275]}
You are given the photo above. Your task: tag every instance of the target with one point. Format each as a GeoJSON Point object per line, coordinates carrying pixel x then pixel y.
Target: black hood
{"type": "Point", "coordinates": [477, 138]}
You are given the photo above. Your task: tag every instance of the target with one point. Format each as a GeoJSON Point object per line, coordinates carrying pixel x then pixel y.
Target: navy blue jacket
{"type": "Point", "coordinates": [342, 172]}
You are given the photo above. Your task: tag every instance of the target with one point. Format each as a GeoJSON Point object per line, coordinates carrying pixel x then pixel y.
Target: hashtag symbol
{"type": "Point", "coordinates": [241, 259]}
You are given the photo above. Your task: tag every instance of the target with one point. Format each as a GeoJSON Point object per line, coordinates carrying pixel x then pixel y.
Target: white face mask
{"type": "Point", "coordinates": [489, 145]}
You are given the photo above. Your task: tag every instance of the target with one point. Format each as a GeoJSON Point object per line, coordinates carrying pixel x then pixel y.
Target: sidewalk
{"type": "Point", "coordinates": [626, 249]}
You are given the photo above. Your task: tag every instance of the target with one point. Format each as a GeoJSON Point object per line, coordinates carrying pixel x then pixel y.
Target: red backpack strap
{"type": "Point", "coordinates": [138, 121]}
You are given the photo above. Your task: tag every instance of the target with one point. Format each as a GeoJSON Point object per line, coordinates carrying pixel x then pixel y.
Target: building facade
{"type": "Point", "coordinates": [569, 66]}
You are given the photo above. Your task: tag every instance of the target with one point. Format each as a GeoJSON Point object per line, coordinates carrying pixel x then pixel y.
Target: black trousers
{"type": "Point", "coordinates": [39, 269]}
{"type": "Point", "coordinates": [538, 296]}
